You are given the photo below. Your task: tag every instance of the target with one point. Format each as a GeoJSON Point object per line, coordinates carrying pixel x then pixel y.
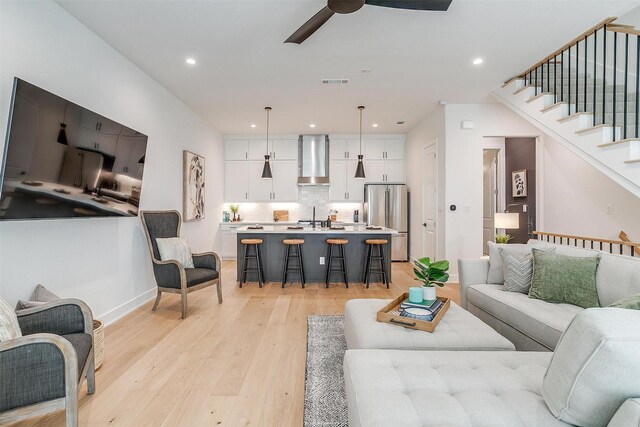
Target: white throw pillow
{"type": "Point", "coordinates": [9, 326]}
{"type": "Point", "coordinates": [594, 368]}
{"type": "Point", "coordinates": [518, 269]}
{"type": "Point", "coordinates": [175, 248]}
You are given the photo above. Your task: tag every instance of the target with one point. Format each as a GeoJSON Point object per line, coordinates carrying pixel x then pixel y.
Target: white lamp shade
{"type": "Point", "coordinates": [506, 220]}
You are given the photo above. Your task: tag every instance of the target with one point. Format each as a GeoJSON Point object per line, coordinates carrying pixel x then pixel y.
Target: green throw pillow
{"type": "Point", "coordinates": [632, 302]}
{"type": "Point", "coordinates": [562, 278]}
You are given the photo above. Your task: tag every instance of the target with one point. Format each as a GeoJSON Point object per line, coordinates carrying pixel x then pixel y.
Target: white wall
{"type": "Point", "coordinates": [463, 171]}
{"type": "Point", "coordinates": [102, 261]}
{"type": "Point", "coordinates": [577, 195]}
{"type": "Point", "coordinates": [430, 130]}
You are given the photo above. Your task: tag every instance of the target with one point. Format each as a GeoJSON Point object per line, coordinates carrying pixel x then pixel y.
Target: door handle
{"type": "Point", "coordinates": [424, 224]}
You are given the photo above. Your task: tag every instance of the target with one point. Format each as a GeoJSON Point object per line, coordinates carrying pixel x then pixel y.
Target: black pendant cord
{"type": "Point", "coordinates": [266, 170]}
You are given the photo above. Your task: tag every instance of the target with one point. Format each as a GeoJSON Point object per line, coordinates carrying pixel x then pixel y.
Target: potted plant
{"type": "Point", "coordinates": [431, 274]}
{"type": "Point", "coordinates": [234, 209]}
{"type": "Point", "coordinates": [503, 238]}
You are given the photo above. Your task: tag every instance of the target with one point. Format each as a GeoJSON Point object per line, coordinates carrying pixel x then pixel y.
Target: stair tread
{"type": "Point", "coordinates": [573, 116]}
{"type": "Point", "coordinates": [618, 142]}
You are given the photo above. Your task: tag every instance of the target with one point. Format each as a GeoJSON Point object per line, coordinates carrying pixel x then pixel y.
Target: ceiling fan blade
{"type": "Point", "coordinates": [311, 26]}
{"type": "Point", "coordinates": [439, 5]}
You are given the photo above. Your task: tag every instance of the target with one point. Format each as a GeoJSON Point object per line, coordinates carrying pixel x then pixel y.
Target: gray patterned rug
{"type": "Point", "coordinates": [325, 402]}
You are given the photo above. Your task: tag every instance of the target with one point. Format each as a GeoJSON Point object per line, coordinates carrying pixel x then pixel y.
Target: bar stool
{"type": "Point", "coordinates": [368, 269]}
{"type": "Point", "coordinates": [296, 269]}
{"type": "Point", "coordinates": [248, 244]}
{"type": "Point", "coordinates": [342, 270]}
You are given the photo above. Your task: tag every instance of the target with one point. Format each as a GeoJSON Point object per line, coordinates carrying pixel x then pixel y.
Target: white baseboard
{"type": "Point", "coordinates": [126, 308]}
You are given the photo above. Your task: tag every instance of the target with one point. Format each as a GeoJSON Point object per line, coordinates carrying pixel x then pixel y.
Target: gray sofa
{"type": "Point", "coordinates": [592, 379]}
{"type": "Point", "coordinates": [531, 324]}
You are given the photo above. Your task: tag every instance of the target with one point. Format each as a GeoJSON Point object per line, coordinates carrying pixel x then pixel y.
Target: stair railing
{"type": "Point", "coordinates": [621, 247]}
{"type": "Point", "coordinates": [605, 57]}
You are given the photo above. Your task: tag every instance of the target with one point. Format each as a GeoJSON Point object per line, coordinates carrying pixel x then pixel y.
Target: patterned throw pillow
{"type": "Point", "coordinates": [518, 269]}
{"type": "Point", "coordinates": [9, 327]}
{"type": "Point", "coordinates": [631, 302]}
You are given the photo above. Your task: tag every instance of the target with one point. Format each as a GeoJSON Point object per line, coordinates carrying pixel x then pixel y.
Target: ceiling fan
{"type": "Point", "coordinates": [350, 6]}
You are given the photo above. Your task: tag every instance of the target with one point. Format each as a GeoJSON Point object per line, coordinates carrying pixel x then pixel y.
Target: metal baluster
{"type": "Point", "coordinates": [585, 74]}
{"type": "Point", "coordinates": [637, 80]}
{"type": "Point", "coordinates": [626, 82]}
{"type": "Point", "coordinates": [615, 88]}
{"type": "Point", "coordinates": [569, 81]}
{"type": "Point", "coordinates": [555, 78]}
{"type": "Point", "coordinates": [548, 77]}
{"type": "Point", "coordinates": [535, 86]}
{"type": "Point", "coordinates": [595, 63]}
{"type": "Point", "coordinates": [604, 72]}
{"type": "Point", "coordinates": [542, 78]}
{"type": "Point", "coordinates": [577, 71]}
{"type": "Point", "coordinates": [562, 76]}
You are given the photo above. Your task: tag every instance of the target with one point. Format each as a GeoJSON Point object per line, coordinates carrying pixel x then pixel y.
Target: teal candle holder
{"type": "Point", "coordinates": [415, 294]}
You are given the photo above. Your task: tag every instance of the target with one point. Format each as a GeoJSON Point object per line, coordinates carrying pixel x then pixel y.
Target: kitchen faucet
{"type": "Point", "coordinates": [313, 220]}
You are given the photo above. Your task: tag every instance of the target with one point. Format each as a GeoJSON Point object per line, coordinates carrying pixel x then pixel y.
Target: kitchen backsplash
{"type": "Point", "coordinates": [308, 197]}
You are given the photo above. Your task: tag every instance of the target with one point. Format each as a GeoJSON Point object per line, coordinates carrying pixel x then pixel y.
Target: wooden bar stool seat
{"type": "Point", "coordinates": [296, 254]}
{"type": "Point", "coordinates": [342, 264]}
{"type": "Point", "coordinates": [371, 258]}
{"type": "Point", "coordinates": [255, 244]}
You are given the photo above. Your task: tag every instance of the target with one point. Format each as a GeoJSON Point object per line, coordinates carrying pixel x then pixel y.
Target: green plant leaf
{"type": "Point", "coordinates": [426, 261]}
{"type": "Point", "coordinates": [440, 265]}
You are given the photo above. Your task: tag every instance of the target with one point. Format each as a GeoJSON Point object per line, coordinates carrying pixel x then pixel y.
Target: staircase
{"type": "Point", "coordinates": [586, 96]}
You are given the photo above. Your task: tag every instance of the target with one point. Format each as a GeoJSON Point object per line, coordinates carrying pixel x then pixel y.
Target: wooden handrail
{"type": "Point", "coordinates": [565, 47]}
{"type": "Point", "coordinates": [623, 236]}
{"type": "Point", "coordinates": [588, 239]}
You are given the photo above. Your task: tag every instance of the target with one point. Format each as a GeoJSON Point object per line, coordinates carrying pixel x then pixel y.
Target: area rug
{"type": "Point", "coordinates": [325, 401]}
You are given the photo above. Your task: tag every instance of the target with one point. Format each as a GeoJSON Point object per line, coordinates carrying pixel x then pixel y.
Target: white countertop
{"type": "Point", "coordinates": [244, 222]}
{"type": "Point", "coordinates": [349, 229]}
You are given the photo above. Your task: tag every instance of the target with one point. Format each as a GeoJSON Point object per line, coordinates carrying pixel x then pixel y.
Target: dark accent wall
{"type": "Point", "coordinates": [520, 153]}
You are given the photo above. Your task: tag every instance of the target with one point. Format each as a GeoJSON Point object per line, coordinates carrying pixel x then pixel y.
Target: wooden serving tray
{"type": "Point", "coordinates": [390, 314]}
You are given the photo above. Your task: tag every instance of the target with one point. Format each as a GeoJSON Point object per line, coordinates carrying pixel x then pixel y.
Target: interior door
{"type": "Point", "coordinates": [430, 202]}
{"type": "Point", "coordinates": [490, 196]}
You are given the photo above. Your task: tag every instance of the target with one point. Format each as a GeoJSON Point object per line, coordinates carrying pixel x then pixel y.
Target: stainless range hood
{"type": "Point", "coordinates": [313, 160]}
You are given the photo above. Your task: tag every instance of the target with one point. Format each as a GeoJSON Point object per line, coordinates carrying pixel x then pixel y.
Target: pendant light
{"type": "Point", "coordinates": [266, 170]}
{"type": "Point", "coordinates": [360, 168]}
{"type": "Point", "coordinates": [62, 133]}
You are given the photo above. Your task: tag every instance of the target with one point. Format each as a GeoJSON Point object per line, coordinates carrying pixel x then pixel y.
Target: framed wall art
{"type": "Point", "coordinates": [519, 183]}
{"type": "Point", "coordinates": [193, 186]}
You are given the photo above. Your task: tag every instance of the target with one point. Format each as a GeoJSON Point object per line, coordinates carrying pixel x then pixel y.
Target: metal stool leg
{"type": "Point", "coordinates": [344, 267]}
{"type": "Point", "coordinates": [243, 276]}
{"type": "Point", "coordinates": [369, 262]}
{"type": "Point", "coordinates": [286, 266]}
{"type": "Point", "coordinates": [329, 259]}
{"type": "Point", "coordinates": [302, 278]}
{"type": "Point", "coordinates": [259, 265]}
{"type": "Point", "coordinates": [385, 278]}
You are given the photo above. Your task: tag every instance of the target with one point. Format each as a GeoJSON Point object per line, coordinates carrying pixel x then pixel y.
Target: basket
{"type": "Point", "coordinates": [389, 314]}
{"type": "Point", "coordinates": [98, 342]}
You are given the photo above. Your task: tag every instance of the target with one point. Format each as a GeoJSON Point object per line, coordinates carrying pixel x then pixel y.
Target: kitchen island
{"type": "Point", "coordinates": [315, 247]}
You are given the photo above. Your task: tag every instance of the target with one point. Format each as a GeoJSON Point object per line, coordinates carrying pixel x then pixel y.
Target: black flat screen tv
{"type": "Point", "coordinates": [64, 161]}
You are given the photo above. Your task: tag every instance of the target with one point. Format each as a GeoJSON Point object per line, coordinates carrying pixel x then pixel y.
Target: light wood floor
{"type": "Point", "coordinates": [237, 364]}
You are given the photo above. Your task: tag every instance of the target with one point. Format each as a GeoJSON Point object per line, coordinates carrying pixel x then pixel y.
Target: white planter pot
{"type": "Point", "coordinates": [429, 293]}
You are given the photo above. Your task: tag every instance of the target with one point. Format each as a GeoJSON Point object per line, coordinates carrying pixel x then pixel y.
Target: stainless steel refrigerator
{"type": "Point", "coordinates": [388, 205]}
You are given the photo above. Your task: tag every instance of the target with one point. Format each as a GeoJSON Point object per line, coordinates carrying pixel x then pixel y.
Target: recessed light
{"type": "Point", "coordinates": [312, 125]}
{"type": "Point", "coordinates": [365, 70]}
{"type": "Point", "coordinates": [375, 125]}
{"type": "Point", "coordinates": [401, 122]}
{"type": "Point", "coordinates": [191, 61]}
{"type": "Point", "coordinates": [478, 61]}
{"type": "Point", "coordinates": [253, 125]}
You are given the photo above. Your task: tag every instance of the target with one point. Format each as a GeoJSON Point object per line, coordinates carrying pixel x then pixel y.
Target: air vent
{"type": "Point", "coordinates": [335, 81]}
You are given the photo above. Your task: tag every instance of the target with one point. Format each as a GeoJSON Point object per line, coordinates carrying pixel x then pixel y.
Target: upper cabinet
{"type": "Point", "coordinates": [129, 152]}
{"type": "Point", "coordinates": [383, 149]}
{"type": "Point", "coordinates": [96, 122]}
{"type": "Point", "coordinates": [278, 149]}
{"type": "Point", "coordinates": [97, 141]}
{"type": "Point", "coordinates": [345, 148]}
{"type": "Point", "coordinates": [236, 149]}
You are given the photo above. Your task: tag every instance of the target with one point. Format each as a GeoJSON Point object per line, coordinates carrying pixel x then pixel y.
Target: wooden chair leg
{"type": "Point", "coordinates": [155, 305]}
{"type": "Point", "coordinates": [184, 304]}
{"type": "Point", "coordinates": [71, 406]}
{"type": "Point", "coordinates": [219, 286]}
{"type": "Point", "coordinates": [91, 374]}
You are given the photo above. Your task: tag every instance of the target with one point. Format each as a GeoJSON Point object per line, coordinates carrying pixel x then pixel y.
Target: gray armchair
{"type": "Point", "coordinates": [42, 371]}
{"type": "Point", "coordinates": [171, 276]}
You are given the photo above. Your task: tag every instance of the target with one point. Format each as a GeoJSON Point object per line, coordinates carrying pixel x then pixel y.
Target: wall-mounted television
{"type": "Point", "coordinates": [64, 161]}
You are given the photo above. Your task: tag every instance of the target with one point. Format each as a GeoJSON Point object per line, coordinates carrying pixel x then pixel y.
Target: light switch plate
{"type": "Point", "coordinates": [610, 209]}
{"type": "Point", "coordinates": [321, 260]}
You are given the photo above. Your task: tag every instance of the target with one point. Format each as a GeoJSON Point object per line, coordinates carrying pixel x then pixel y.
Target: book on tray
{"type": "Point", "coordinates": [427, 310]}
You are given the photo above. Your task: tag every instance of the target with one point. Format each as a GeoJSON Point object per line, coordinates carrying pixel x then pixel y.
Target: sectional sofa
{"type": "Point", "coordinates": [532, 324]}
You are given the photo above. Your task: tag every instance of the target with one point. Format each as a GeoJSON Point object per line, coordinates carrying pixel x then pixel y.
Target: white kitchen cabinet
{"type": "Point", "coordinates": [285, 181]}
{"type": "Point", "coordinates": [394, 171]}
{"type": "Point", "coordinates": [98, 123]}
{"type": "Point", "coordinates": [235, 149]}
{"type": "Point", "coordinates": [129, 132]}
{"type": "Point", "coordinates": [260, 189]}
{"type": "Point", "coordinates": [374, 170]}
{"type": "Point", "coordinates": [229, 240]}
{"type": "Point", "coordinates": [338, 180]}
{"type": "Point", "coordinates": [284, 149]}
{"type": "Point", "coordinates": [337, 150]}
{"type": "Point", "coordinates": [353, 148]}
{"type": "Point", "coordinates": [279, 149]}
{"type": "Point", "coordinates": [129, 151]}
{"type": "Point", "coordinates": [385, 149]}
{"type": "Point", "coordinates": [97, 141]}
{"type": "Point", "coordinates": [236, 183]}
{"type": "Point", "coordinates": [378, 171]}
{"type": "Point", "coordinates": [344, 186]}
